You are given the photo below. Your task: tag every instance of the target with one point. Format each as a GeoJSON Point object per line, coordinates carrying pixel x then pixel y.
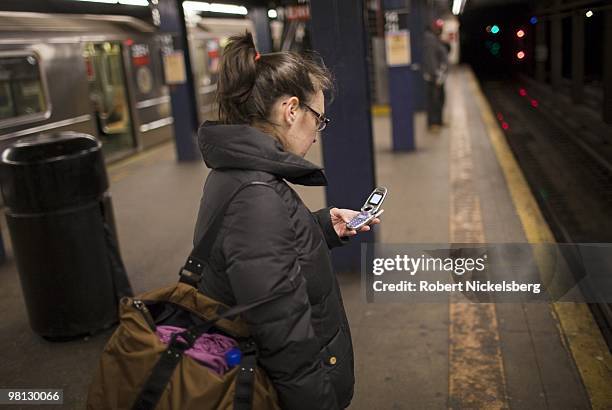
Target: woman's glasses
{"type": "Point", "coordinates": [322, 120]}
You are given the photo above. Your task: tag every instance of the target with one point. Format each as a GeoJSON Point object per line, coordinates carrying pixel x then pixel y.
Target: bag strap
{"type": "Point", "coordinates": [121, 283]}
{"type": "Point", "coordinates": [191, 334]}
{"type": "Point", "coordinates": [243, 393]}
{"type": "Point", "coordinates": [191, 272]}
{"type": "Point", "coordinates": [160, 376]}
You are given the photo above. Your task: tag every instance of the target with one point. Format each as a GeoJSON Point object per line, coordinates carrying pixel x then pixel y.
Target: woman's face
{"type": "Point", "coordinates": [298, 125]}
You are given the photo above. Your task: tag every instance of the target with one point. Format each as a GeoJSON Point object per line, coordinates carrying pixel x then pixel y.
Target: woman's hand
{"type": "Point", "coordinates": [340, 217]}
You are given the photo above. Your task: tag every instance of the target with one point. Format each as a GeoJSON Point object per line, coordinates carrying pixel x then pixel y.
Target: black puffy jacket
{"type": "Point", "coordinates": [270, 242]}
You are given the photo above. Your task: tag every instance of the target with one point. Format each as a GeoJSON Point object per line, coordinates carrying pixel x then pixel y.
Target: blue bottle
{"type": "Point", "coordinates": [233, 357]}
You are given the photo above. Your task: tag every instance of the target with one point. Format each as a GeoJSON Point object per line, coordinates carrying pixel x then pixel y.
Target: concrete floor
{"type": "Point", "coordinates": [402, 350]}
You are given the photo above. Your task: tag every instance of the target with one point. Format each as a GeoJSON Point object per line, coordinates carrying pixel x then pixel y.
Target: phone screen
{"type": "Point", "coordinates": [375, 199]}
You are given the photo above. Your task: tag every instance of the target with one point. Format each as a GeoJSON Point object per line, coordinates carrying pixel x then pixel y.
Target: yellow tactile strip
{"type": "Point", "coordinates": [578, 330]}
{"type": "Point", "coordinates": [381, 110]}
{"type": "Point", "coordinates": [122, 168]}
{"type": "Point", "coordinates": [476, 371]}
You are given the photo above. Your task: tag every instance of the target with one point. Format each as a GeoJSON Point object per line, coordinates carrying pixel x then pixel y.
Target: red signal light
{"type": "Point", "coordinates": [534, 103]}
{"type": "Point", "coordinates": [520, 55]}
{"type": "Point", "coordinates": [500, 116]}
{"type": "Point", "coordinates": [522, 92]}
{"type": "Point", "coordinates": [505, 125]}
{"type": "Point", "coordinates": [520, 33]}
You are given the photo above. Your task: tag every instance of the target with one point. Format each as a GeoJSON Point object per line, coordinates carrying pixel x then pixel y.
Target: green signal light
{"type": "Point", "coordinates": [495, 48]}
{"type": "Point", "coordinates": [495, 29]}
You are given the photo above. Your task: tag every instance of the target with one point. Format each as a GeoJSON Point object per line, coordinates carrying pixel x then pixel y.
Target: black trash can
{"type": "Point", "coordinates": [59, 216]}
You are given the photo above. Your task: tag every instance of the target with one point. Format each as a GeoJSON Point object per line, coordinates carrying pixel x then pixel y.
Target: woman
{"type": "Point", "coordinates": [271, 109]}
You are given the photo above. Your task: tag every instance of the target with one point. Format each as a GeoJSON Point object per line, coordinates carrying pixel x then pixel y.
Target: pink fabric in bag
{"type": "Point", "coordinates": [208, 349]}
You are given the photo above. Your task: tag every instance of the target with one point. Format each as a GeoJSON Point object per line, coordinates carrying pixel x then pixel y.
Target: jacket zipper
{"type": "Point", "coordinates": [139, 305]}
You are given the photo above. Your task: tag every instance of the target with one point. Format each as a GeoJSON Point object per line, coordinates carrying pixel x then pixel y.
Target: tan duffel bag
{"type": "Point", "coordinates": [138, 371]}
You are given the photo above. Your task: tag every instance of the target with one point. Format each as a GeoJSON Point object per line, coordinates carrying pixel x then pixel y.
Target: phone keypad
{"type": "Point", "coordinates": [358, 220]}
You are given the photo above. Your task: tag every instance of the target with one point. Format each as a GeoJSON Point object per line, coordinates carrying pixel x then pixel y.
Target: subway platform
{"type": "Point", "coordinates": [461, 185]}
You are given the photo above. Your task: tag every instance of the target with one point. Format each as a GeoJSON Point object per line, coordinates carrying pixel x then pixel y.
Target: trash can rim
{"type": "Point", "coordinates": [98, 145]}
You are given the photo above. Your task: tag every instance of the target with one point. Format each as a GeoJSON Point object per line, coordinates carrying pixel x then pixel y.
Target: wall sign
{"type": "Point", "coordinates": [398, 48]}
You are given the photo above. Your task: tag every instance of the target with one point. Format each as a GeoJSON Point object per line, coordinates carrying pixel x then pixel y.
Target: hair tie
{"type": "Point", "coordinates": [257, 56]}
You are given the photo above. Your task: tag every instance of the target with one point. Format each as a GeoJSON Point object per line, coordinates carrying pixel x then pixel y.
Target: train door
{"type": "Point", "coordinates": [108, 95]}
{"type": "Point", "coordinates": [205, 64]}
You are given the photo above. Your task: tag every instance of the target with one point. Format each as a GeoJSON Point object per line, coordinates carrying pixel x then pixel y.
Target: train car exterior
{"type": "Point", "coordinates": [101, 75]}
{"type": "Point", "coordinates": [206, 38]}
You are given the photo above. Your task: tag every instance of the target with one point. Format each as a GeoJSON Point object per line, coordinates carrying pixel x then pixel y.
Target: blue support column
{"type": "Point", "coordinates": [404, 81]}
{"type": "Point", "coordinates": [339, 35]}
{"type": "Point", "coordinates": [183, 100]}
{"type": "Point", "coordinates": [259, 17]}
{"type": "Point", "coordinates": [417, 22]}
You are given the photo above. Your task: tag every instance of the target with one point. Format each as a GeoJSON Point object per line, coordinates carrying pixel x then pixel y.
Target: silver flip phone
{"type": "Point", "coordinates": [370, 210]}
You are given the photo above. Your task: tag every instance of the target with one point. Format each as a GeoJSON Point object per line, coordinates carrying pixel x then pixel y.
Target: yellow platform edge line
{"type": "Point", "coordinates": [138, 156]}
{"type": "Point", "coordinates": [476, 367]}
{"type": "Point", "coordinates": [124, 167]}
{"type": "Point", "coordinates": [582, 336]}
{"type": "Point", "coordinates": [381, 109]}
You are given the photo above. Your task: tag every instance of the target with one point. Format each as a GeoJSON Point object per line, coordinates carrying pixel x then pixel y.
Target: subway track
{"type": "Point", "coordinates": [568, 168]}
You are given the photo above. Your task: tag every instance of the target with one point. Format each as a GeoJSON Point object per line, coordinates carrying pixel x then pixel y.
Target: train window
{"type": "Point", "coordinates": [21, 87]}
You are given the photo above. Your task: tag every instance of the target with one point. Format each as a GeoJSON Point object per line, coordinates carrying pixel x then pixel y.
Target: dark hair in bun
{"type": "Point", "coordinates": [249, 86]}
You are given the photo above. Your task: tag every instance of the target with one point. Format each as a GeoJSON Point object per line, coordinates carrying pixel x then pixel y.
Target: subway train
{"type": "Point", "coordinates": [206, 38]}
{"type": "Point", "coordinates": [99, 74]}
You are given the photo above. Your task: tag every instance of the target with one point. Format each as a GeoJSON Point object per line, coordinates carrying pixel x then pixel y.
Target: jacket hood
{"type": "Point", "coordinates": [244, 147]}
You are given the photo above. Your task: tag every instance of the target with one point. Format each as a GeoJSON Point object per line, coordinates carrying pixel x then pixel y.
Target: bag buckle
{"type": "Point", "coordinates": [182, 345]}
{"type": "Point", "coordinates": [189, 277]}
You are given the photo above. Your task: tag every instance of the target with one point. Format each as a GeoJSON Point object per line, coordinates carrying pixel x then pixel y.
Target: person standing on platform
{"type": "Point", "coordinates": [435, 69]}
{"type": "Point", "coordinates": [271, 110]}
{"type": "Point", "coordinates": [447, 47]}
